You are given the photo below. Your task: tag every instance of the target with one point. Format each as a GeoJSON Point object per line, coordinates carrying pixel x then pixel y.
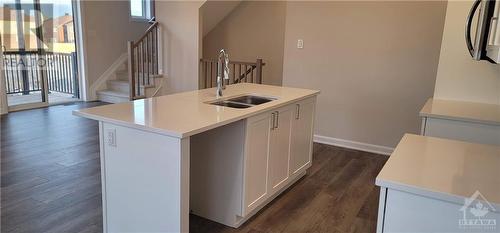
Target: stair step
{"type": "Point", "coordinates": [123, 75]}
{"type": "Point", "coordinates": [124, 86]}
{"type": "Point", "coordinates": [112, 96]}
{"type": "Point", "coordinates": [118, 85]}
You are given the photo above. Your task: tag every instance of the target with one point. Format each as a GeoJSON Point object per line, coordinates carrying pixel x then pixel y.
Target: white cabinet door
{"type": "Point", "coordinates": [280, 149]}
{"type": "Point", "coordinates": [301, 136]}
{"type": "Point", "coordinates": [256, 161]}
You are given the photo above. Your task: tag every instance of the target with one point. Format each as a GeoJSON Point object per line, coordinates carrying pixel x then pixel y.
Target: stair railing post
{"type": "Point", "coordinates": [259, 71]}
{"type": "Point", "coordinates": [160, 49]}
{"type": "Point", "coordinates": [131, 71]}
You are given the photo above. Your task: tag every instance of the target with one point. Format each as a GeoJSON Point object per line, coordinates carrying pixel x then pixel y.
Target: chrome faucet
{"type": "Point", "coordinates": [220, 82]}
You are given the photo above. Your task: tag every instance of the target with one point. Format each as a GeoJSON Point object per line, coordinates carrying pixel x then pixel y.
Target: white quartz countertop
{"type": "Point", "coordinates": [459, 110]}
{"type": "Point", "coordinates": [443, 169]}
{"type": "Point", "coordinates": [187, 113]}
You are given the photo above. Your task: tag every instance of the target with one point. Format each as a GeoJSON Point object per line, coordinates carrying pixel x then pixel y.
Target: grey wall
{"type": "Point", "coordinates": [374, 62]}
{"type": "Point", "coordinates": [254, 29]}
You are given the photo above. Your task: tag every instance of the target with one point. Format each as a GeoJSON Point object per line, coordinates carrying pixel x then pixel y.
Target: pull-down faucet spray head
{"type": "Point", "coordinates": [222, 71]}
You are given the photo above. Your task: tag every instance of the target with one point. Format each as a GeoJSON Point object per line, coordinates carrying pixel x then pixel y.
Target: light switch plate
{"type": "Point", "coordinates": [111, 137]}
{"type": "Point", "coordinates": [300, 44]}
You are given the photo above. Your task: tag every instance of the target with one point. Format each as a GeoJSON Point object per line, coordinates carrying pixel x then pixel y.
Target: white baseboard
{"type": "Point", "coordinates": [353, 145]}
{"type": "Point", "coordinates": [100, 83]}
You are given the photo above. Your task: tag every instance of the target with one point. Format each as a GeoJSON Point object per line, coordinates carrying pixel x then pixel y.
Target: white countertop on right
{"type": "Point", "coordinates": [460, 110]}
{"type": "Point", "coordinates": [443, 169]}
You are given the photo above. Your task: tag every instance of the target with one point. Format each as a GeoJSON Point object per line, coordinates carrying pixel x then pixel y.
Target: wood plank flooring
{"type": "Point", "coordinates": [50, 182]}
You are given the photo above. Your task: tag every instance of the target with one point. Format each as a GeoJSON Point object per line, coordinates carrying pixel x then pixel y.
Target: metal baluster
{"type": "Point", "coordinates": [251, 75]}
{"type": "Point", "coordinates": [56, 72]}
{"type": "Point", "coordinates": [205, 73]}
{"type": "Point", "coordinates": [211, 70]}
{"type": "Point", "coordinates": [234, 73]}
{"type": "Point", "coordinates": [12, 73]}
{"type": "Point", "coordinates": [65, 71]}
{"type": "Point", "coordinates": [240, 76]}
{"type": "Point", "coordinates": [66, 74]}
{"type": "Point", "coordinates": [61, 73]}
{"type": "Point", "coordinates": [48, 67]}
{"type": "Point", "coordinates": [156, 50]}
{"type": "Point", "coordinates": [138, 87]}
{"type": "Point", "coordinates": [146, 58]}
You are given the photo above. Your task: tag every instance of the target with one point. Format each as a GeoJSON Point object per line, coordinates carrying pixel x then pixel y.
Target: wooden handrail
{"type": "Point", "coordinates": [231, 62]}
{"type": "Point", "coordinates": [144, 61]}
{"type": "Point", "coordinates": [150, 28]}
{"type": "Point", "coordinates": [240, 71]}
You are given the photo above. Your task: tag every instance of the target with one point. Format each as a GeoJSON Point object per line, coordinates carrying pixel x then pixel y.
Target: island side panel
{"type": "Point", "coordinates": [216, 183]}
{"type": "Point", "coordinates": [103, 176]}
{"type": "Point", "coordinates": [146, 181]}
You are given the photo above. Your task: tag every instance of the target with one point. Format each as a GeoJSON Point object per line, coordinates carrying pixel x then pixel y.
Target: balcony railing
{"type": "Point", "coordinates": [24, 69]}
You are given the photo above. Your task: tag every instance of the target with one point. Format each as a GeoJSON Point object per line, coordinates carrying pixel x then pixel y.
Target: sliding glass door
{"type": "Point", "coordinates": [38, 52]}
{"type": "Point", "coordinates": [22, 47]}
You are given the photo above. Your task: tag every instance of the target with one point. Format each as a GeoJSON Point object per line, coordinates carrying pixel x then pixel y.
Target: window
{"type": "Point", "coordinates": [141, 9]}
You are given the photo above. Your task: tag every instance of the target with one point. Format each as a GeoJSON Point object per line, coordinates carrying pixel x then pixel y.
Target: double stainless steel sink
{"type": "Point", "coordinates": [244, 101]}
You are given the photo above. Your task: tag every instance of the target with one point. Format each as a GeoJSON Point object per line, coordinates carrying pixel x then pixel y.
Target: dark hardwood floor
{"type": "Point", "coordinates": [50, 182]}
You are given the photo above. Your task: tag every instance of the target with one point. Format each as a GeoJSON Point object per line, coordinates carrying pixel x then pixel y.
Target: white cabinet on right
{"type": "Point", "coordinates": [301, 136]}
{"type": "Point", "coordinates": [459, 120]}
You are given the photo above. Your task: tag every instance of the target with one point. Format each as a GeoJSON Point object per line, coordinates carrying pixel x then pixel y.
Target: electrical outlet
{"type": "Point", "coordinates": [111, 137]}
{"type": "Point", "coordinates": [300, 44]}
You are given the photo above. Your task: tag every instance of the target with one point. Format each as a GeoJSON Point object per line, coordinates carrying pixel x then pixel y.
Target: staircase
{"type": "Point", "coordinates": [118, 89]}
{"type": "Point", "coordinates": [140, 76]}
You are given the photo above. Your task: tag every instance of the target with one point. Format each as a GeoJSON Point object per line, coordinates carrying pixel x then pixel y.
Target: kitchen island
{"type": "Point", "coordinates": [166, 156]}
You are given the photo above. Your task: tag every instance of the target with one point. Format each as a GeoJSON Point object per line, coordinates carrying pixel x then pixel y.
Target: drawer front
{"type": "Point", "coordinates": [463, 131]}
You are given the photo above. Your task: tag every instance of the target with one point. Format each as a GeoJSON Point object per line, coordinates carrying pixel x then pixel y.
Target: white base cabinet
{"type": "Point", "coordinates": [463, 121]}
{"type": "Point", "coordinates": [239, 168]}
{"type": "Point", "coordinates": [301, 136]}
{"type": "Point", "coordinates": [279, 148]}
{"type": "Point", "coordinates": [461, 130]}
{"type": "Point", "coordinates": [401, 211]}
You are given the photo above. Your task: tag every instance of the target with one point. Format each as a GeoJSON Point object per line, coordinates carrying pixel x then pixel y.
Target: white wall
{"type": "Point", "coordinates": [374, 62]}
{"type": "Point", "coordinates": [181, 29]}
{"type": "Point", "coordinates": [459, 77]}
{"type": "Point", "coordinates": [107, 28]}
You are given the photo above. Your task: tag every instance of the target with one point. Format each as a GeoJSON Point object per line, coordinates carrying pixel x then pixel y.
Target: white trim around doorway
{"type": "Point", "coordinates": [81, 44]}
